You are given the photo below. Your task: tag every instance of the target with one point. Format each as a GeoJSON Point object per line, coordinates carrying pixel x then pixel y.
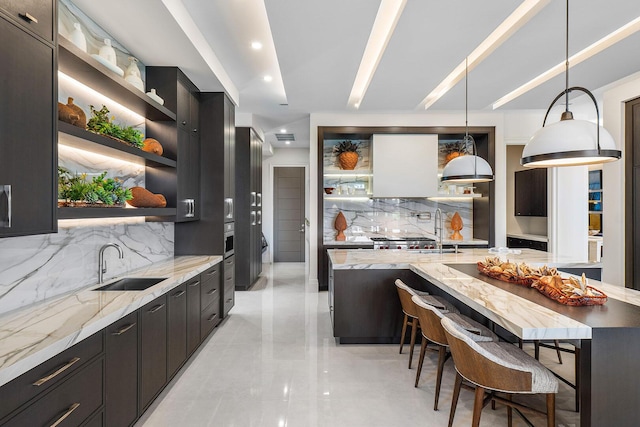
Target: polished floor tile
{"type": "Point", "coordinates": [274, 363]}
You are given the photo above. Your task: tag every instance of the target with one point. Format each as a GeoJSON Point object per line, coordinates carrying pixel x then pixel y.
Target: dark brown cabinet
{"type": "Point", "coordinates": [176, 329]}
{"type": "Point", "coordinates": [121, 364]}
{"type": "Point", "coordinates": [153, 350]}
{"type": "Point", "coordinates": [210, 300]}
{"type": "Point", "coordinates": [228, 293]}
{"type": "Point", "coordinates": [36, 16]}
{"type": "Point", "coordinates": [248, 223]}
{"type": "Point", "coordinates": [531, 192]}
{"type": "Point", "coordinates": [193, 314]}
{"type": "Point", "coordinates": [516, 242]}
{"type": "Point", "coordinates": [181, 96]}
{"type": "Point", "coordinates": [28, 117]}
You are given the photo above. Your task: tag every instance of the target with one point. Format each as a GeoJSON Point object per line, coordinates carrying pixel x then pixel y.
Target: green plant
{"type": "Point", "coordinates": [346, 147]}
{"type": "Point", "coordinates": [76, 188]}
{"type": "Point", "coordinates": [101, 123]}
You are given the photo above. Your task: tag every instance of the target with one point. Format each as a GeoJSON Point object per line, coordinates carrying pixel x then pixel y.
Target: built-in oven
{"type": "Point", "coordinates": [228, 239]}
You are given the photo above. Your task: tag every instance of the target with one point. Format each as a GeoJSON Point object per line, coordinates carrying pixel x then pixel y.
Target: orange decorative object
{"type": "Point", "coordinates": [456, 226]}
{"type": "Point", "coordinates": [152, 146]}
{"type": "Point", "coordinates": [72, 114]}
{"type": "Point", "coordinates": [143, 198]}
{"type": "Point", "coordinates": [348, 160]}
{"type": "Point", "coordinates": [340, 224]}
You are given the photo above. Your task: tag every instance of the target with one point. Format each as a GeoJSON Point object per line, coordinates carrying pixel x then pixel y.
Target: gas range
{"type": "Point", "coordinates": [403, 243]}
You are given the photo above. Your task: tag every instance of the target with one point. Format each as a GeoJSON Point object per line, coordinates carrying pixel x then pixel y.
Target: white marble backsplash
{"type": "Point", "coordinates": [36, 268]}
{"type": "Point", "coordinates": [395, 217]}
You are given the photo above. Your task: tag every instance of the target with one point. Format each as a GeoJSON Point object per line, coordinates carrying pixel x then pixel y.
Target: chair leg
{"type": "Point", "coordinates": [414, 330]}
{"type": "Point", "coordinates": [509, 413]}
{"type": "Point", "coordinates": [454, 399]}
{"type": "Point", "coordinates": [577, 380]}
{"type": "Point", "coordinates": [477, 406]}
{"type": "Point", "coordinates": [551, 409]}
{"type": "Point", "coordinates": [536, 349]}
{"type": "Point", "coordinates": [442, 352]}
{"type": "Point", "coordinates": [423, 350]}
{"type": "Point", "coordinates": [557, 344]}
{"type": "Point", "coordinates": [404, 331]}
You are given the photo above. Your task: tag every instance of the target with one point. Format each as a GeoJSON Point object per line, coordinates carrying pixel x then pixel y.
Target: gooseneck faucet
{"type": "Point", "coordinates": [438, 227]}
{"type": "Point", "coordinates": [102, 264]}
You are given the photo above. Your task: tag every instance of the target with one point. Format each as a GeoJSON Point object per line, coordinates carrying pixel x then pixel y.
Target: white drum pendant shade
{"type": "Point", "coordinates": [467, 169]}
{"type": "Point", "coordinates": [569, 143]}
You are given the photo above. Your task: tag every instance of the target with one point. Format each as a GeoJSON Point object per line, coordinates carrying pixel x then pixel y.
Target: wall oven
{"type": "Point", "coordinates": [228, 239]}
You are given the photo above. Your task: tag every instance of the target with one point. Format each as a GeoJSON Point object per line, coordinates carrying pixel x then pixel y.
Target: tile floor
{"type": "Point", "coordinates": [274, 363]}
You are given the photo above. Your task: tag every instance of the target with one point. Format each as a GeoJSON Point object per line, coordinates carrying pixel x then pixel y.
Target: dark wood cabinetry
{"type": "Point", "coordinates": [531, 192]}
{"type": "Point", "coordinates": [36, 16]}
{"type": "Point", "coordinates": [121, 364]}
{"type": "Point", "coordinates": [193, 314]}
{"type": "Point", "coordinates": [210, 295]}
{"type": "Point", "coordinates": [176, 329]}
{"type": "Point", "coordinates": [180, 136]}
{"type": "Point", "coordinates": [228, 293]}
{"type": "Point", "coordinates": [217, 138]}
{"type": "Point", "coordinates": [248, 212]}
{"type": "Point", "coordinates": [516, 242]}
{"type": "Point", "coordinates": [153, 350]}
{"type": "Point", "coordinates": [28, 117]}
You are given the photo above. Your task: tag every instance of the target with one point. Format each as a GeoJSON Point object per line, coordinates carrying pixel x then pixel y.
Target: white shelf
{"type": "Point", "coordinates": [454, 197]}
{"type": "Point", "coordinates": [342, 173]}
{"type": "Point", "coordinates": [347, 196]}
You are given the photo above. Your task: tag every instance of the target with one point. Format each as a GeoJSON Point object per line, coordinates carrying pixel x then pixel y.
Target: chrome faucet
{"type": "Point", "coordinates": [438, 227]}
{"type": "Point", "coordinates": [102, 264]}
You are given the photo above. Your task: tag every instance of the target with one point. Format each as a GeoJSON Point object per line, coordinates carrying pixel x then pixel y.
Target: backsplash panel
{"type": "Point", "coordinates": [36, 268]}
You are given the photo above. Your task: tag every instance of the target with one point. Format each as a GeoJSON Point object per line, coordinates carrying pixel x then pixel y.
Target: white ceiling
{"type": "Point", "coordinates": [317, 46]}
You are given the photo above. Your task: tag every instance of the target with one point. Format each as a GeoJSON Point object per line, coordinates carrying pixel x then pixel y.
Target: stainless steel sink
{"type": "Point", "coordinates": [131, 284]}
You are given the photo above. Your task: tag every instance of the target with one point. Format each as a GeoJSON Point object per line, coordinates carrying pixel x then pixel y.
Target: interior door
{"type": "Point", "coordinates": [289, 229]}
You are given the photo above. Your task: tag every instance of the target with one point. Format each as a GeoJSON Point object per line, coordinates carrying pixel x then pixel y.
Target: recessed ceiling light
{"type": "Point", "coordinates": [586, 53]}
{"type": "Point", "coordinates": [287, 142]}
{"type": "Point", "coordinates": [256, 45]}
{"type": "Point", "coordinates": [523, 13]}
{"type": "Point", "coordinates": [283, 130]}
{"type": "Point", "coordinates": [386, 19]}
{"type": "Point", "coordinates": [267, 78]}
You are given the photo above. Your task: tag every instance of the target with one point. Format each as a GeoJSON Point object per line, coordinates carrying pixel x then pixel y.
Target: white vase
{"type": "Point", "coordinates": [107, 52]}
{"type": "Point", "coordinates": [153, 95]}
{"type": "Point", "coordinates": [77, 37]}
{"type": "Point", "coordinates": [132, 74]}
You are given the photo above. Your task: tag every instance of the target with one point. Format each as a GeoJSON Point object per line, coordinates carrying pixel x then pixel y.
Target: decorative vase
{"type": "Point", "coordinates": [152, 146]}
{"type": "Point", "coordinates": [78, 38]}
{"type": "Point", "coordinates": [108, 53]}
{"type": "Point", "coordinates": [348, 160]}
{"type": "Point", "coordinates": [153, 95]}
{"type": "Point", "coordinates": [143, 198]}
{"type": "Point", "coordinates": [340, 224]}
{"type": "Point", "coordinates": [72, 114]}
{"type": "Point", "coordinates": [456, 226]}
{"type": "Point", "coordinates": [132, 74]}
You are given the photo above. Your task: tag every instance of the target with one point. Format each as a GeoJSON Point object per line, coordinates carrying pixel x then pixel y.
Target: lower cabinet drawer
{"type": "Point", "coordinates": [49, 373]}
{"type": "Point", "coordinates": [69, 404]}
{"type": "Point", "coordinates": [209, 291]}
{"type": "Point", "coordinates": [229, 298]}
{"type": "Point", "coordinates": [210, 318]}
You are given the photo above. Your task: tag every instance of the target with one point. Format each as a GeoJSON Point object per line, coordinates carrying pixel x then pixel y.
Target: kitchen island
{"type": "Point", "coordinates": [608, 336]}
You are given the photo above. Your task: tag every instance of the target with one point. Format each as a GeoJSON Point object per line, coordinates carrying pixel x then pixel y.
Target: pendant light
{"type": "Point", "coordinates": [570, 142]}
{"type": "Point", "coordinates": [467, 168]}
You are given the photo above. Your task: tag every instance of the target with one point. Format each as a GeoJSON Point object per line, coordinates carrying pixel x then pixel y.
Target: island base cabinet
{"type": "Point", "coordinates": [210, 318]}
{"type": "Point", "coordinates": [153, 350]}
{"type": "Point", "coordinates": [176, 329]}
{"type": "Point", "coordinates": [69, 404]}
{"type": "Point", "coordinates": [121, 383]}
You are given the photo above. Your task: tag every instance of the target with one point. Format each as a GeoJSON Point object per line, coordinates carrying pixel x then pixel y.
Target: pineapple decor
{"type": "Point", "coordinates": [347, 153]}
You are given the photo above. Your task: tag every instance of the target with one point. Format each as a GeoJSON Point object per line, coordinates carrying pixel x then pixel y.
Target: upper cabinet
{"type": "Point", "coordinates": [531, 192]}
{"type": "Point", "coordinates": [405, 166]}
{"type": "Point", "coordinates": [28, 114]}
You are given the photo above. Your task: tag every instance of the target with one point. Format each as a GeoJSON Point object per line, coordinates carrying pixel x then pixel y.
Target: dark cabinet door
{"type": "Point", "coordinates": [188, 192]}
{"type": "Point", "coordinates": [183, 107]}
{"type": "Point", "coordinates": [121, 383]}
{"type": "Point", "coordinates": [28, 154]}
{"type": "Point", "coordinates": [229, 285]}
{"type": "Point", "coordinates": [193, 314]}
{"type": "Point", "coordinates": [176, 329]}
{"type": "Point", "coordinates": [153, 350]}
{"type": "Point", "coordinates": [194, 174]}
{"type": "Point", "coordinates": [37, 16]}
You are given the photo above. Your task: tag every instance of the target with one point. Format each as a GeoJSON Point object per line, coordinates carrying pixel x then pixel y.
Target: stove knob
{"type": "Point", "coordinates": [399, 247]}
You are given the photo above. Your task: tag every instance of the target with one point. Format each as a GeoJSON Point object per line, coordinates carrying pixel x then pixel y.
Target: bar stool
{"type": "Point", "coordinates": [431, 329]}
{"type": "Point", "coordinates": [497, 367]}
{"type": "Point", "coordinates": [410, 314]}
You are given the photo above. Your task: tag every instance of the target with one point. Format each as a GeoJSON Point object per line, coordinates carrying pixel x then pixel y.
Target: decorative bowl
{"type": "Point", "coordinates": [329, 190]}
{"type": "Point", "coordinates": [593, 232]}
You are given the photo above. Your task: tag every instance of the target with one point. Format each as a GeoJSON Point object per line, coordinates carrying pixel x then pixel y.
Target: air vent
{"type": "Point", "coordinates": [285, 137]}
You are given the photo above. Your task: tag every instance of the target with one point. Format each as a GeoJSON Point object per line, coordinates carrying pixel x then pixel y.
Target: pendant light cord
{"type": "Point", "coordinates": [566, 62]}
{"type": "Point", "coordinates": [466, 119]}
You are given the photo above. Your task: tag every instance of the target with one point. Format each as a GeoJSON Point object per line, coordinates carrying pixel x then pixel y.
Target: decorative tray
{"type": "Point", "coordinates": [569, 291]}
{"type": "Point", "coordinates": [520, 274]}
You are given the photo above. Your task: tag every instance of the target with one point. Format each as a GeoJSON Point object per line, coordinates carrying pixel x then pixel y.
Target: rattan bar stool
{"type": "Point", "coordinates": [497, 367]}
{"type": "Point", "coordinates": [410, 314]}
{"type": "Point", "coordinates": [432, 331]}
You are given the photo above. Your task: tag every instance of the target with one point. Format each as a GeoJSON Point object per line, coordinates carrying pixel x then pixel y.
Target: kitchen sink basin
{"type": "Point", "coordinates": [131, 284]}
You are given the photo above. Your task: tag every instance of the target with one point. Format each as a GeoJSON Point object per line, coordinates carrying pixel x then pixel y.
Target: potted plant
{"type": "Point", "coordinates": [75, 191]}
{"type": "Point", "coordinates": [347, 153]}
{"type": "Point", "coordinates": [101, 123]}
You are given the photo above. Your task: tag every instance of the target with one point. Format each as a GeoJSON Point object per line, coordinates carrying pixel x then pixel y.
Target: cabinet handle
{"type": "Point", "coordinates": [184, 123]}
{"type": "Point", "coordinates": [156, 308]}
{"type": "Point", "coordinates": [179, 294]}
{"type": "Point", "coordinates": [56, 372]}
{"type": "Point", "coordinates": [195, 131]}
{"type": "Point", "coordinates": [253, 217]}
{"type": "Point", "coordinates": [259, 199]}
{"type": "Point", "coordinates": [213, 316]}
{"type": "Point", "coordinates": [124, 329]}
{"type": "Point", "coordinates": [253, 198]}
{"type": "Point", "coordinates": [259, 217]}
{"type": "Point", "coordinates": [228, 278]}
{"type": "Point", "coordinates": [196, 283]}
{"type": "Point", "coordinates": [211, 291]}
{"type": "Point", "coordinates": [28, 17]}
{"type": "Point", "coordinates": [5, 198]}
{"type": "Point", "coordinates": [211, 273]}
{"type": "Point", "coordinates": [65, 415]}
{"type": "Point", "coordinates": [230, 300]}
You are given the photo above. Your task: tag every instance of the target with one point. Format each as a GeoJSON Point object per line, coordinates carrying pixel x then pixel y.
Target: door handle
{"type": "Point", "coordinates": [259, 217]}
{"type": "Point", "coordinates": [302, 229]}
{"type": "Point", "coordinates": [28, 17]}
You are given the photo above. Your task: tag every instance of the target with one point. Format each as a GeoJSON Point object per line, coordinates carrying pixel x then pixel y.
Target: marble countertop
{"type": "Point", "coordinates": [33, 334]}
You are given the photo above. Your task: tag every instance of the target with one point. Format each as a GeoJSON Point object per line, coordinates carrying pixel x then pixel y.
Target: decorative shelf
{"type": "Point", "coordinates": [454, 197]}
{"type": "Point", "coordinates": [76, 137]}
{"type": "Point", "coordinates": [342, 173]}
{"type": "Point", "coordinates": [348, 196]}
{"type": "Point", "coordinates": [82, 67]}
{"type": "Point", "coordinates": [83, 213]}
